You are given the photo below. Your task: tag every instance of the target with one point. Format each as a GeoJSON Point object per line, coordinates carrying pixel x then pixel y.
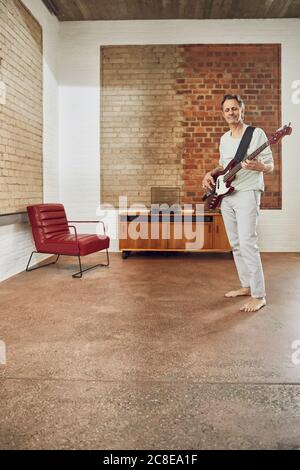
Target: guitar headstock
{"type": "Point", "coordinates": [277, 136]}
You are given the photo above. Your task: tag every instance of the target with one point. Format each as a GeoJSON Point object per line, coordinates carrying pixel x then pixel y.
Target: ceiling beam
{"type": "Point", "coordinates": [80, 10]}
{"type": "Point", "coordinates": [50, 4]}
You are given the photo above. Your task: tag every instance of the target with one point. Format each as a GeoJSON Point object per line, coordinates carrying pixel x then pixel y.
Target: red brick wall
{"type": "Point", "coordinates": [210, 71]}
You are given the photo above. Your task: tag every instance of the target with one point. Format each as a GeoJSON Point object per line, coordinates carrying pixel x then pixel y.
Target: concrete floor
{"type": "Point", "coordinates": [147, 354]}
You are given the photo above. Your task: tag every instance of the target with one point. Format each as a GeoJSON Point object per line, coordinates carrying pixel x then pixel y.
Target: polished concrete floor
{"type": "Point", "coordinates": [148, 354]}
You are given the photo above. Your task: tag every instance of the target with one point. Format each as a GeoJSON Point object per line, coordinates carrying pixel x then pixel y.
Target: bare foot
{"type": "Point", "coordinates": [238, 292]}
{"type": "Point", "coordinates": [253, 305]}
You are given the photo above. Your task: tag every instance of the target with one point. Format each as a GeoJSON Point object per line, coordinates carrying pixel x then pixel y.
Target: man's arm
{"type": "Point", "coordinates": [208, 182]}
{"type": "Point", "coordinates": [264, 162]}
{"type": "Point", "coordinates": [216, 170]}
{"type": "Point", "coordinates": [254, 165]}
{"type": "Point", "coordinates": [267, 168]}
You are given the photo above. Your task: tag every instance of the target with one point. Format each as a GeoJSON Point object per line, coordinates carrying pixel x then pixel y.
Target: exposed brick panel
{"type": "Point", "coordinates": [21, 117]}
{"type": "Point", "coordinates": [161, 120]}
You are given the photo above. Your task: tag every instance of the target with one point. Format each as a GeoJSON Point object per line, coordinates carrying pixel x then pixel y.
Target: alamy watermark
{"type": "Point", "coordinates": [296, 93]}
{"type": "Point", "coordinates": [2, 352]}
{"type": "Point", "coordinates": [296, 354]}
{"type": "Point", "coordinates": [160, 221]}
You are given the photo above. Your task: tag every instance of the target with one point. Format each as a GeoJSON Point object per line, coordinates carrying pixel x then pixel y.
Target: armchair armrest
{"type": "Point", "coordinates": [88, 222]}
{"type": "Point", "coordinates": [75, 232]}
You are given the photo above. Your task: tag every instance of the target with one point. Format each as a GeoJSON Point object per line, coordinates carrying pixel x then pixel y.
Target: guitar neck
{"type": "Point", "coordinates": [238, 166]}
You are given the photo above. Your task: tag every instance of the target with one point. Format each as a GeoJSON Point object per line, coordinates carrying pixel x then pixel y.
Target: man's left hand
{"type": "Point", "coordinates": [253, 165]}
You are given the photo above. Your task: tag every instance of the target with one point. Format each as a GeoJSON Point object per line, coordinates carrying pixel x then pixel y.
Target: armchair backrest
{"type": "Point", "coordinates": [47, 221]}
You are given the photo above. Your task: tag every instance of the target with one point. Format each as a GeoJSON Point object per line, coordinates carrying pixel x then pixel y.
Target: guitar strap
{"type": "Point", "coordinates": [244, 144]}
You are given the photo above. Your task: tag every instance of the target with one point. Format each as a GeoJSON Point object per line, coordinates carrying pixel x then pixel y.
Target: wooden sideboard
{"type": "Point", "coordinates": [184, 231]}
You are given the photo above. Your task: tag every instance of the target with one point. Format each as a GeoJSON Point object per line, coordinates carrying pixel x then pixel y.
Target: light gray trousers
{"type": "Point", "coordinates": [240, 212]}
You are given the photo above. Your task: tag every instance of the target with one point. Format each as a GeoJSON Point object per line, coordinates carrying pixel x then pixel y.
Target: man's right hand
{"type": "Point", "coordinates": [208, 182]}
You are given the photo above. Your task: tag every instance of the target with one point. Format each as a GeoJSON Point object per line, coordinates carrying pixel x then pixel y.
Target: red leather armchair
{"type": "Point", "coordinates": [51, 233]}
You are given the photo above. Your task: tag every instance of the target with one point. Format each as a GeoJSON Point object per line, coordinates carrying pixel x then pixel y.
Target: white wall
{"type": "Point", "coordinates": [79, 72]}
{"type": "Point", "coordinates": [15, 234]}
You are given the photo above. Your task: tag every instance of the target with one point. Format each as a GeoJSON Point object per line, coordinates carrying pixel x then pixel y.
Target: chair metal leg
{"type": "Point", "coordinates": [107, 259]}
{"type": "Point", "coordinates": [78, 275]}
{"type": "Point", "coordinates": [38, 267]}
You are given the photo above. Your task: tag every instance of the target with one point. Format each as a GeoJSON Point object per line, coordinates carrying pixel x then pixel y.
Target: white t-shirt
{"type": "Point", "coordinates": [246, 180]}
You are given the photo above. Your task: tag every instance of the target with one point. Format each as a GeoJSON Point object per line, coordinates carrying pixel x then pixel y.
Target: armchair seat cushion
{"type": "Point", "coordinates": [66, 244]}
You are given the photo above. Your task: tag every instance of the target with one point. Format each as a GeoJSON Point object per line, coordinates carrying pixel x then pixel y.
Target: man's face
{"type": "Point", "coordinates": [232, 113]}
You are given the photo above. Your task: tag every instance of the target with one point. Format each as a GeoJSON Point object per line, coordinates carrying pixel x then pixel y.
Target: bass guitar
{"type": "Point", "coordinates": [224, 178]}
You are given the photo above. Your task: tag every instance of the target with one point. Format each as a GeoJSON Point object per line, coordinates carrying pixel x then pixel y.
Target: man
{"type": "Point", "coordinates": [240, 209]}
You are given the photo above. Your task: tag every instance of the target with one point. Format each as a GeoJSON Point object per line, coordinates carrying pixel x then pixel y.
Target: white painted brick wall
{"type": "Point", "coordinates": [16, 246]}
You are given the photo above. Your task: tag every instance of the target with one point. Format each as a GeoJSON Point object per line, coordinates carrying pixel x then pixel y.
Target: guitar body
{"type": "Point", "coordinates": [221, 189]}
